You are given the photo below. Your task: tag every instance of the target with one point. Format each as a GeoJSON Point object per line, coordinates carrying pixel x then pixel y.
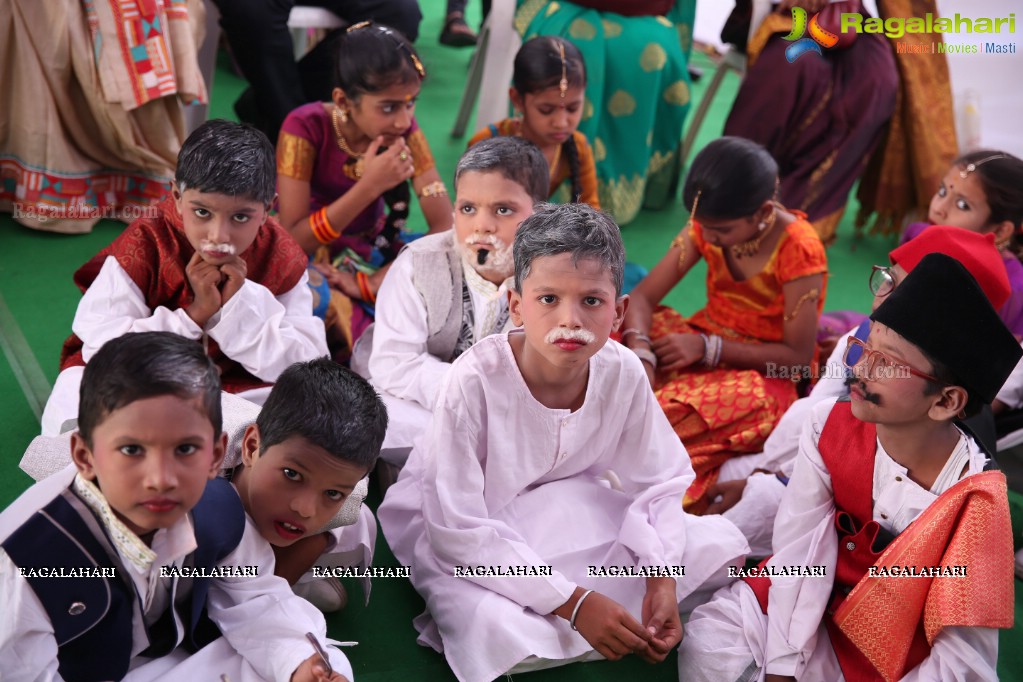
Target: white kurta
{"type": "Point", "coordinates": [501, 480]}
{"type": "Point", "coordinates": [263, 333]}
{"type": "Point", "coordinates": [263, 622]}
{"type": "Point", "coordinates": [400, 364]}
{"type": "Point", "coordinates": [730, 635]}
{"type": "Point", "coordinates": [754, 514]}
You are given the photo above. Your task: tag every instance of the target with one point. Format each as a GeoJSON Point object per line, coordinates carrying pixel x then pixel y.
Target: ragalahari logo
{"type": "Point", "coordinates": [819, 36]}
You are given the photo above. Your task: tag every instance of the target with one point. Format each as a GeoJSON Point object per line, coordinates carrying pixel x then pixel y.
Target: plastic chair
{"type": "Point", "coordinates": [490, 69]}
{"type": "Point", "coordinates": [733, 60]}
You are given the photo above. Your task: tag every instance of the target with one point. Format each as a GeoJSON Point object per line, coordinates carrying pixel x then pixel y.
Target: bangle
{"type": "Point", "coordinates": [711, 350]}
{"type": "Point", "coordinates": [434, 189]}
{"type": "Point", "coordinates": [639, 335]}
{"type": "Point", "coordinates": [364, 289]}
{"type": "Point", "coordinates": [646, 356]}
{"type": "Point", "coordinates": [321, 227]}
{"type": "Point", "coordinates": [575, 611]}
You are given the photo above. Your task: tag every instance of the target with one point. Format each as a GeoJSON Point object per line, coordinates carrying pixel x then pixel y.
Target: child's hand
{"type": "Point", "coordinates": [204, 279]}
{"type": "Point", "coordinates": [386, 169]}
{"type": "Point", "coordinates": [234, 272]}
{"type": "Point", "coordinates": [660, 616]}
{"type": "Point", "coordinates": [312, 670]}
{"type": "Point", "coordinates": [678, 351]}
{"type": "Point", "coordinates": [730, 493]}
{"type": "Point", "coordinates": [341, 280]}
{"type": "Point", "coordinates": [609, 628]}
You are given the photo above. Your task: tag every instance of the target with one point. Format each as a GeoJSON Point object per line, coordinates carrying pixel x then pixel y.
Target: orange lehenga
{"type": "Point", "coordinates": [726, 412]}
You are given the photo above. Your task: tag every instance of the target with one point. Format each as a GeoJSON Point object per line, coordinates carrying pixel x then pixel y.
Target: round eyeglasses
{"type": "Point", "coordinates": [882, 280]}
{"type": "Point", "coordinates": [877, 365]}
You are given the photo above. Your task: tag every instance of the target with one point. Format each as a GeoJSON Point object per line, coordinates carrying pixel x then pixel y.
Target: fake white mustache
{"type": "Point", "coordinates": [582, 335]}
{"type": "Point", "coordinates": [217, 248]}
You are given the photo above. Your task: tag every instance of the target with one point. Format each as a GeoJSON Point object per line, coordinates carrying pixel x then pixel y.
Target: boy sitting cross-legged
{"type": "Point", "coordinates": [125, 564]}
{"type": "Point", "coordinates": [210, 264]}
{"type": "Point", "coordinates": [894, 503]}
{"type": "Point", "coordinates": [549, 471]}
{"type": "Point", "coordinates": [447, 291]}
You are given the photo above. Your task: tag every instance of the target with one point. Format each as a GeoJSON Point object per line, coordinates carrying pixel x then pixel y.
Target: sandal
{"type": "Point", "coordinates": [456, 33]}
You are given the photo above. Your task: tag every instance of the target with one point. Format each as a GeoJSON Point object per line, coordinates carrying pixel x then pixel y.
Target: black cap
{"type": "Point", "coordinates": [940, 308]}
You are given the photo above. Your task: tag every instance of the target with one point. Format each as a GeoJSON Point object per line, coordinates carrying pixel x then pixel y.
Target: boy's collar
{"type": "Point", "coordinates": [124, 540]}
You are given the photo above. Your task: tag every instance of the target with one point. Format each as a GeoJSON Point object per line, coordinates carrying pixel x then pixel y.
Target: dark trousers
{"type": "Point", "coordinates": [459, 6]}
{"type": "Point", "coordinates": [257, 31]}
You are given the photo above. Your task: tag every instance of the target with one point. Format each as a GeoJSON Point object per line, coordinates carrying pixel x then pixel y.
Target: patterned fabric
{"type": "Point", "coordinates": [77, 145]}
{"type": "Point", "coordinates": [307, 150]}
{"type": "Point", "coordinates": [559, 175]}
{"type": "Point", "coordinates": [145, 50]}
{"type": "Point", "coordinates": [968, 525]}
{"type": "Point", "coordinates": [154, 253]}
{"type": "Point", "coordinates": [637, 95]}
{"type": "Point", "coordinates": [124, 540]}
{"type": "Point", "coordinates": [921, 143]}
{"type": "Point", "coordinates": [725, 412]}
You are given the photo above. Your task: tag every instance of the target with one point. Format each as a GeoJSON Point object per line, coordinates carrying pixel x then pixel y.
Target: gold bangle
{"type": "Point", "coordinates": [434, 189]}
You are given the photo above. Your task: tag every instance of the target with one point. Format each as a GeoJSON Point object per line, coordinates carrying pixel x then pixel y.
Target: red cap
{"type": "Point", "coordinates": [975, 251]}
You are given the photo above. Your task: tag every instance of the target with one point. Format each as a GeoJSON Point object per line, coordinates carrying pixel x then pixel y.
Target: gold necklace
{"type": "Point", "coordinates": [557, 150]}
{"type": "Point", "coordinates": [342, 143]}
{"type": "Point", "coordinates": [555, 161]}
{"type": "Point", "coordinates": [751, 247]}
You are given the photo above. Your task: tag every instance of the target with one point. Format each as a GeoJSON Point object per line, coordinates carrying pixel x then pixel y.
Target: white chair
{"type": "Point", "coordinates": [490, 70]}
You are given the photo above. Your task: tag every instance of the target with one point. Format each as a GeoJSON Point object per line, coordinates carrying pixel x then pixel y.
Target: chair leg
{"type": "Point", "coordinates": [472, 82]}
{"type": "Point", "coordinates": [730, 62]}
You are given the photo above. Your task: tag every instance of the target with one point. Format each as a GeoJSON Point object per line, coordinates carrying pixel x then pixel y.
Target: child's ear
{"type": "Point", "coordinates": [219, 450]}
{"type": "Point", "coordinates": [515, 307]}
{"type": "Point", "coordinates": [949, 403]}
{"type": "Point", "coordinates": [516, 99]}
{"type": "Point", "coordinates": [250, 445]}
{"type": "Point", "coordinates": [621, 305]}
{"type": "Point", "coordinates": [337, 95]}
{"type": "Point", "coordinates": [81, 455]}
{"type": "Point", "coordinates": [1003, 232]}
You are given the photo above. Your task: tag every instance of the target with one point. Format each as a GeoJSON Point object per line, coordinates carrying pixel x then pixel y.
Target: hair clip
{"type": "Point", "coordinates": [970, 167]}
{"type": "Point", "coordinates": [417, 64]}
{"type": "Point", "coordinates": [563, 84]}
{"type": "Point", "coordinates": [356, 27]}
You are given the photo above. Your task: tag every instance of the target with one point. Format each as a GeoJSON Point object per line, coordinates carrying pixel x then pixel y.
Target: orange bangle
{"type": "Point", "coordinates": [364, 289]}
{"type": "Point", "coordinates": [321, 227]}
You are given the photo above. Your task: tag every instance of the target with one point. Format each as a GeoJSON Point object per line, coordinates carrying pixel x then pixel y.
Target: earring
{"type": "Point", "coordinates": [762, 226]}
{"type": "Point", "coordinates": [342, 114]}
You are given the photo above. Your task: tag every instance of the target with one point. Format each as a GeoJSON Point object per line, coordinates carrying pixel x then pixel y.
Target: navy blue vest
{"type": "Point", "coordinates": [92, 617]}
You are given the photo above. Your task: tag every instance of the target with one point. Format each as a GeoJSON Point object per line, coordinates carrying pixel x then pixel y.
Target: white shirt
{"type": "Point", "coordinates": [804, 534]}
{"type": "Point", "coordinates": [260, 617]}
{"type": "Point", "coordinates": [400, 363]}
{"type": "Point", "coordinates": [502, 480]}
{"type": "Point", "coordinates": [263, 333]}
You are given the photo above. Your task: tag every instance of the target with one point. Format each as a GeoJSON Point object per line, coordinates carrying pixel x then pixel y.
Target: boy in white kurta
{"type": "Point", "coordinates": [746, 477]}
{"type": "Point", "coordinates": [123, 564]}
{"type": "Point", "coordinates": [549, 472]}
{"type": "Point", "coordinates": [883, 486]}
{"type": "Point", "coordinates": [446, 291]}
{"type": "Point", "coordinates": [209, 263]}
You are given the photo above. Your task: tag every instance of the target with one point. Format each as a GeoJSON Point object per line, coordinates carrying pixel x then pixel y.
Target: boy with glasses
{"type": "Point", "coordinates": [749, 488]}
{"type": "Point", "coordinates": [914, 499]}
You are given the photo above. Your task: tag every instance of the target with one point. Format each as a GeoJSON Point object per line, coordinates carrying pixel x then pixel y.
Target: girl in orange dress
{"type": "Point", "coordinates": [725, 375]}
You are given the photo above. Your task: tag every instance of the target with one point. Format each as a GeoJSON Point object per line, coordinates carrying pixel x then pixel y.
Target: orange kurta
{"type": "Point", "coordinates": [559, 174]}
{"type": "Point", "coordinates": [724, 412]}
